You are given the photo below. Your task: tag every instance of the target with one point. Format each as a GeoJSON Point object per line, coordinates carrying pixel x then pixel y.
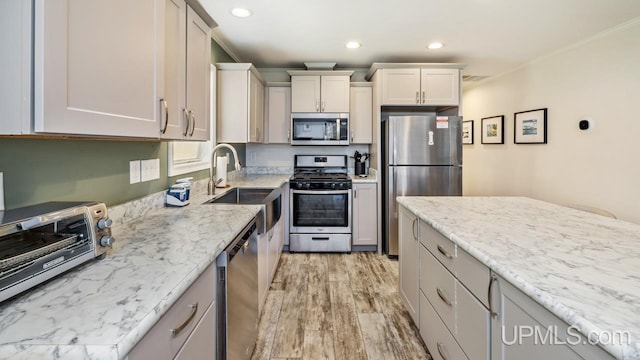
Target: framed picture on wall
{"type": "Point", "coordinates": [492, 130]}
{"type": "Point", "coordinates": [530, 127]}
{"type": "Point", "coordinates": [467, 132]}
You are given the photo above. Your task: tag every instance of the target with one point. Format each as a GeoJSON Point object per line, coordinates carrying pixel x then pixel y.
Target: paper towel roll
{"type": "Point", "coordinates": [221, 171]}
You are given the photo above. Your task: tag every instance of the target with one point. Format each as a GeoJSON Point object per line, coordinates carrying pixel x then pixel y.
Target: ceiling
{"type": "Point", "coordinates": [490, 36]}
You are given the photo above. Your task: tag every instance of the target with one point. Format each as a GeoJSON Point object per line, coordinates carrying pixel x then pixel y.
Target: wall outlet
{"type": "Point", "coordinates": [150, 169]}
{"type": "Point", "coordinates": [134, 171]}
{"type": "Point", "coordinates": [252, 155]}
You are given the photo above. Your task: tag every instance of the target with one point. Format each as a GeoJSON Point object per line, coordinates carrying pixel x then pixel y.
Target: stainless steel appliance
{"type": "Point", "coordinates": [422, 155]}
{"type": "Point", "coordinates": [320, 129]}
{"type": "Point", "coordinates": [41, 241]}
{"type": "Point", "coordinates": [320, 204]}
{"type": "Point", "coordinates": [237, 296]}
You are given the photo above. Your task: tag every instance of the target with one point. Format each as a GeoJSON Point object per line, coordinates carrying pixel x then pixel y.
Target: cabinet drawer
{"type": "Point", "coordinates": [438, 285]}
{"type": "Point", "coordinates": [472, 324]}
{"type": "Point", "coordinates": [438, 339]}
{"type": "Point", "coordinates": [159, 343]}
{"type": "Point", "coordinates": [473, 274]}
{"type": "Point", "coordinates": [202, 342]}
{"type": "Point", "coordinates": [442, 248]}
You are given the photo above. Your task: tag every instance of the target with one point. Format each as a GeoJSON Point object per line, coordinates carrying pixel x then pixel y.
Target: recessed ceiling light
{"type": "Point", "coordinates": [240, 12]}
{"type": "Point", "coordinates": [353, 45]}
{"type": "Point", "coordinates": [435, 45]}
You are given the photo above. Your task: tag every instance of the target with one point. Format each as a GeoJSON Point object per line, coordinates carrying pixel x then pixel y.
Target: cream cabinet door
{"type": "Point", "coordinates": [256, 109]}
{"type": "Point", "coordinates": [409, 261]}
{"type": "Point", "coordinates": [305, 93]}
{"type": "Point", "coordinates": [173, 122]}
{"type": "Point", "coordinates": [361, 115]}
{"type": "Point", "coordinates": [198, 68]}
{"type": "Point", "coordinates": [278, 114]}
{"type": "Point", "coordinates": [440, 86]}
{"type": "Point", "coordinates": [364, 214]}
{"type": "Point", "coordinates": [400, 86]}
{"type": "Point", "coordinates": [201, 344]}
{"type": "Point", "coordinates": [97, 67]}
{"type": "Point", "coordinates": [334, 91]}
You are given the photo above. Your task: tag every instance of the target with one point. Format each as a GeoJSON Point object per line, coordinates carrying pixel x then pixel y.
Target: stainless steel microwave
{"type": "Point", "coordinates": [320, 129]}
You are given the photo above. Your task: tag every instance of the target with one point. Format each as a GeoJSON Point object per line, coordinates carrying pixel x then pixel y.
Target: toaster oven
{"type": "Point", "coordinates": [41, 241]}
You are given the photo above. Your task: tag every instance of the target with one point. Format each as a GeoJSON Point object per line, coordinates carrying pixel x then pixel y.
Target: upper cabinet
{"type": "Point", "coordinates": [99, 67]}
{"type": "Point", "coordinates": [240, 103]}
{"type": "Point", "coordinates": [278, 113]}
{"type": "Point", "coordinates": [320, 91]}
{"type": "Point", "coordinates": [187, 49]}
{"type": "Point", "coordinates": [361, 113]}
{"type": "Point", "coordinates": [419, 84]}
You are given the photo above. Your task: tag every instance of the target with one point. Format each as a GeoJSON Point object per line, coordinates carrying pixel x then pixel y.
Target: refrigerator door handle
{"type": "Point", "coordinates": [394, 193]}
{"type": "Point", "coordinates": [395, 143]}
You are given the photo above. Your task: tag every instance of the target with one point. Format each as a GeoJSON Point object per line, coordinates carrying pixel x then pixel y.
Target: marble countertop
{"type": "Point", "coordinates": [582, 267]}
{"type": "Point", "coordinates": [101, 309]}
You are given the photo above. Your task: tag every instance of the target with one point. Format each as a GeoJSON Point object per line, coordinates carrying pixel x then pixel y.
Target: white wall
{"type": "Point", "coordinates": [599, 79]}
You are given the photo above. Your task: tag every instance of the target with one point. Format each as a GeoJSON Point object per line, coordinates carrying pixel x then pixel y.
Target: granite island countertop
{"type": "Point", "coordinates": [584, 268]}
{"type": "Point", "coordinates": [101, 309]}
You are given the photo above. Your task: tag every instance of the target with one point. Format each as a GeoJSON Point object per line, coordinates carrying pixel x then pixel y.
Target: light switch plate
{"type": "Point", "coordinates": [134, 171]}
{"type": "Point", "coordinates": [150, 169]}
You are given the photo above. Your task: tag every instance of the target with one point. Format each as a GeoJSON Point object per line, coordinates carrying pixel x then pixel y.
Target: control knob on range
{"type": "Point", "coordinates": [307, 186]}
{"type": "Point", "coordinates": [107, 240]}
{"type": "Point", "coordinates": [104, 223]}
{"type": "Point", "coordinates": [334, 186]}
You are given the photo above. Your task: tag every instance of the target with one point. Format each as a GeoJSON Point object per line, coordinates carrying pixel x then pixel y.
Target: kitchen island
{"type": "Point", "coordinates": [100, 310]}
{"type": "Point", "coordinates": [582, 268]}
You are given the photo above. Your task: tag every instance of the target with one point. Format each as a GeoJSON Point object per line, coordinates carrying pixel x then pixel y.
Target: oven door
{"type": "Point", "coordinates": [320, 212]}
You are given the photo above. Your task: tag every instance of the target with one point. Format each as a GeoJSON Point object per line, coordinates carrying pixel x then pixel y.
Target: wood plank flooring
{"type": "Point", "coordinates": [337, 307]}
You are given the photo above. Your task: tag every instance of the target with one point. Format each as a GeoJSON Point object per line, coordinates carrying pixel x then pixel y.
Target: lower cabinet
{"type": "Point", "coordinates": [270, 246]}
{"type": "Point", "coordinates": [522, 329]}
{"type": "Point", "coordinates": [201, 344]}
{"type": "Point", "coordinates": [365, 214]}
{"type": "Point", "coordinates": [185, 327]}
{"type": "Point", "coordinates": [409, 261]}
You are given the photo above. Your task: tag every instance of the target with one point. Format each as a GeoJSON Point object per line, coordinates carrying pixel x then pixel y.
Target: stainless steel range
{"type": "Point", "coordinates": [41, 241]}
{"type": "Point", "coordinates": [320, 204]}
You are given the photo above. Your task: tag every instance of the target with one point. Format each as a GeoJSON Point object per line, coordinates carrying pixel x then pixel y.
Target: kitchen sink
{"type": "Point", "coordinates": [269, 198]}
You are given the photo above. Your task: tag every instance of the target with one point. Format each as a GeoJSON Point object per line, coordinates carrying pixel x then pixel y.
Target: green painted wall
{"type": "Point", "coordinates": [39, 170]}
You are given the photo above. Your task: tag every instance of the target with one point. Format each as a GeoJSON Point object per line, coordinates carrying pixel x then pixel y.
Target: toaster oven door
{"type": "Point", "coordinates": [28, 257]}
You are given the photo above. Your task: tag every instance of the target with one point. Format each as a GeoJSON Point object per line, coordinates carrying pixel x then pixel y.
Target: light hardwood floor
{"type": "Point", "coordinates": [336, 306]}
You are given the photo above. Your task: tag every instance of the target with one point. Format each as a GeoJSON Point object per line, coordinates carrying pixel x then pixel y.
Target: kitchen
{"type": "Point", "coordinates": [562, 171]}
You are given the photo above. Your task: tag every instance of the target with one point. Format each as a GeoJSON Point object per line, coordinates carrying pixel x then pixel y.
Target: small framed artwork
{"type": "Point", "coordinates": [492, 130]}
{"type": "Point", "coordinates": [467, 132]}
{"type": "Point", "coordinates": [530, 127]}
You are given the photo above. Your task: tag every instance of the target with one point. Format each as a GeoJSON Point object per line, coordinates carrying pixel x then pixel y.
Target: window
{"type": "Point", "coordinates": [187, 156]}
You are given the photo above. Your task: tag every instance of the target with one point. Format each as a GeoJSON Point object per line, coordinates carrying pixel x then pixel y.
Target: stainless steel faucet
{"type": "Point", "coordinates": [211, 187]}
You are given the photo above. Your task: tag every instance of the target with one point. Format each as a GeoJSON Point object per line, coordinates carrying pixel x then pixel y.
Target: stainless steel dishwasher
{"type": "Point", "coordinates": [238, 296]}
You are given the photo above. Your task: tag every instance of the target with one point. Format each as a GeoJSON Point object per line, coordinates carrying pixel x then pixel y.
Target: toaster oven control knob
{"type": "Point", "coordinates": [104, 223]}
{"type": "Point", "coordinates": [106, 241]}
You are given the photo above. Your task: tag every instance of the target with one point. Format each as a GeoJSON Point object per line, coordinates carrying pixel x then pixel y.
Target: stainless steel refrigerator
{"type": "Point", "coordinates": [422, 156]}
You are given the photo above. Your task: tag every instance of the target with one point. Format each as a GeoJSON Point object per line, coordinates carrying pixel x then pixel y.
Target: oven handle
{"type": "Point", "coordinates": [316, 192]}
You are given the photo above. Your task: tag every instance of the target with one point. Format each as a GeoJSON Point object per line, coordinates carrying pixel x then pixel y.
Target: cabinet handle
{"type": "Point", "coordinates": [491, 281]}
{"type": "Point", "coordinates": [443, 298]}
{"type": "Point", "coordinates": [193, 127]}
{"type": "Point", "coordinates": [355, 193]}
{"type": "Point", "coordinates": [444, 252]}
{"type": "Point", "coordinates": [188, 117]}
{"type": "Point", "coordinates": [257, 134]}
{"type": "Point", "coordinates": [441, 350]}
{"type": "Point", "coordinates": [423, 97]}
{"type": "Point", "coordinates": [176, 331]}
{"type": "Point", "coordinates": [322, 106]}
{"type": "Point", "coordinates": [413, 229]}
{"type": "Point", "coordinates": [165, 107]}
{"type": "Point", "coordinates": [317, 106]}
{"type": "Point", "coordinates": [417, 97]}
{"type": "Point", "coordinates": [288, 135]}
